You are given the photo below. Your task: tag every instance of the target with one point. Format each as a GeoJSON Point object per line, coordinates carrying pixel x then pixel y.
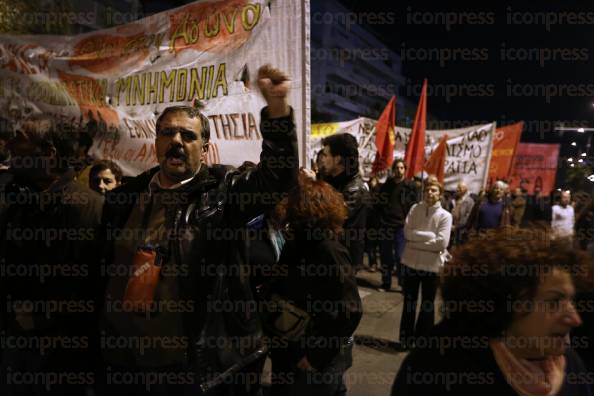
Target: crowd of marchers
{"type": "Point", "coordinates": [166, 284]}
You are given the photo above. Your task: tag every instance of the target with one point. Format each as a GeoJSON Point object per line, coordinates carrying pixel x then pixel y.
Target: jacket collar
{"type": "Point", "coordinates": [437, 205]}
{"type": "Point", "coordinates": [339, 181]}
{"type": "Point", "coordinates": [155, 183]}
{"type": "Point", "coordinates": [142, 182]}
{"type": "Point", "coordinates": [463, 197]}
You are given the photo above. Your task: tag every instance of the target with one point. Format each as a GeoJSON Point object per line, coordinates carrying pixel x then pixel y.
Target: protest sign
{"type": "Point", "coordinates": [535, 166]}
{"type": "Point", "coordinates": [119, 80]}
{"type": "Point", "coordinates": [468, 149]}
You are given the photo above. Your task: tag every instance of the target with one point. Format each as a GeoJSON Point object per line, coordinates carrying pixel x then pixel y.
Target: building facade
{"type": "Point", "coordinates": [353, 73]}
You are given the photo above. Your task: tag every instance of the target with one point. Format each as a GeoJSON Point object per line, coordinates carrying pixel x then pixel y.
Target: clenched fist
{"type": "Point", "coordinates": [274, 85]}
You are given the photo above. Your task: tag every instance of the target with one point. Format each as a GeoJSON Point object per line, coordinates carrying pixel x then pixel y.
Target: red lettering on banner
{"type": "Point", "coordinates": [201, 27]}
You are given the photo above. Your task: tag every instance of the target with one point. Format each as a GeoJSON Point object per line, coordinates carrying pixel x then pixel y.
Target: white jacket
{"type": "Point", "coordinates": [427, 233]}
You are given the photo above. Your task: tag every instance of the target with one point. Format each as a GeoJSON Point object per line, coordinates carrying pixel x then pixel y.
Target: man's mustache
{"type": "Point", "coordinates": [176, 152]}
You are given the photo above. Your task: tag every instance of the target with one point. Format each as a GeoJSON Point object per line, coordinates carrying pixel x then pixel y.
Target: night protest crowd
{"type": "Point", "coordinates": [183, 280]}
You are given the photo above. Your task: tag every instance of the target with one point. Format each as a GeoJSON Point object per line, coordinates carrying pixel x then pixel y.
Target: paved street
{"type": "Point", "coordinates": [375, 361]}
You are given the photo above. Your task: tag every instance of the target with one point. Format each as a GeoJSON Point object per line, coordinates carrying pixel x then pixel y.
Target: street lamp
{"type": "Point", "coordinates": [562, 129]}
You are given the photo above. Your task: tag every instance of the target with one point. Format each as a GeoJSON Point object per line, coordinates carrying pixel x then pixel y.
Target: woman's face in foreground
{"type": "Point", "coordinates": [542, 326]}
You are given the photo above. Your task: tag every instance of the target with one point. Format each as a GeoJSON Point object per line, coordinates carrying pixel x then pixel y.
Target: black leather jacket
{"type": "Point", "coordinates": [358, 201]}
{"type": "Point", "coordinates": [208, 216]}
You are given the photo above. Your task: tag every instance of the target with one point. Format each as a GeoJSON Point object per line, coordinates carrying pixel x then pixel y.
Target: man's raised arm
{"type": "Point", "coordinates": [259, 189]}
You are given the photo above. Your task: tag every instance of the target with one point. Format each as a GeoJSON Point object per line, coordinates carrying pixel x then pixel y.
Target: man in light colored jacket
{"type": "Point", "coordinates": [462, 208]}
{"type": "Point", "coordinates": [563, 218]}
{"type": "Point", "coordinates": [427, 232]}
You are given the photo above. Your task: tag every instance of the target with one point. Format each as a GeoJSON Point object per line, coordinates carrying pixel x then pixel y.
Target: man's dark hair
{"type": "Point", "coordinates": [101, 165]}
{"type": "Point", "coordinates": [192, 112]}
{"type": "Point", "coordinates": [61, 137]}
{"type": "Point", "coordinates": [319, 154]}
{"type": "Point", "coordinates": [397, 161]}
{"type": "Point", "coordinates": [344, 145]}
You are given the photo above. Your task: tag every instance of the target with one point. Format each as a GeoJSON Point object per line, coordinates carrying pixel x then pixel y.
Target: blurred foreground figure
{"type": "Point", "coordinates": [47, 228]}
{"type": "Point", "coordinates": [509, 311]}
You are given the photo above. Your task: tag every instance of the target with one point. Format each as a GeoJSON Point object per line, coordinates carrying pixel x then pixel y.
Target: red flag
{"type": "Point", "coordinates": [384, 137]}
{"type": "Point", "coordinates": [505, 144]}
{"type": "Point", "coordinates": [436, 163]}
{"type": "Point", "coordinates": [415, 149]}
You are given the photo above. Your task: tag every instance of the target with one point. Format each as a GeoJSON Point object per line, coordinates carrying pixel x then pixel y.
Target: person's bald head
{"type": "Point", "coordinates": [497, 191]}
{"type": "Point", "coordinates": [461, 189]}
{"type": "Point", "coordinates": [565, 198]}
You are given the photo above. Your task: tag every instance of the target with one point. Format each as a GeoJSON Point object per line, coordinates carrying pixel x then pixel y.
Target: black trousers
{"type": "Point", "coordinates": [391, 251]}
{"type": "Point", "coordinates": [427, 281]}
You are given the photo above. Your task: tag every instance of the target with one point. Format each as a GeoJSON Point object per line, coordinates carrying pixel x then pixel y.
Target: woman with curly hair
{"type": "Point", "coordinates": [316, 293]}
{"type": "Point", "coordinates": [509, 308]}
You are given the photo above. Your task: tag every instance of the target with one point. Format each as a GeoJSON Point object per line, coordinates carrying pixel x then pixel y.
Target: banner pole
{"type": "Point", "coordinates": [306, 73]}
{"type": "Point", "coordinates": [490, 151]}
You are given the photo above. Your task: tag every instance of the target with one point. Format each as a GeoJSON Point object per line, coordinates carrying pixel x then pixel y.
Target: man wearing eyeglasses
{"type": "Point", "coordinates": [176, 297]}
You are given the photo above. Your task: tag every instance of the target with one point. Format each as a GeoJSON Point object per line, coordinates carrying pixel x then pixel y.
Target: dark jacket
{"type": "Point", "coordinates": [49, 236]}
{"type": "Point", "coordinates": [395, 201]}
{"type": "Point", "coordinates": [538, 209]}
{"type": "Point", "coordinates": [357, 198]}
{"type": "Point", "coordinates": [373, 220]}
{"type": "Point", "coordinates": [474, 222]}
{"type": "Point", "coordinates": [456, 364]}
{"type": "Point", "coordinates": [207, 217]}
{"type": "Point", "coordinates": [317, 277]}
{"type": "Point", "coordinates": [518, 209]}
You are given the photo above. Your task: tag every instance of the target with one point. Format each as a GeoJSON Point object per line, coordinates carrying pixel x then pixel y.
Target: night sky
{"type": "Point", "coordinates": [485, 84]}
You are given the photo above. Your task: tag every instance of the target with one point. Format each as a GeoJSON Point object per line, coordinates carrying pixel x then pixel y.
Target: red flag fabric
{"type": "Point", "coordinates": [436, 163]}
{"type": "Point", "coordinates": [384, 137]}
{"type": "Point", "coordinates": [415, 149]}
{"type": "Point", "coordinates": [505, 144]}
{"type": "Point", "coordinates": [535, 166]}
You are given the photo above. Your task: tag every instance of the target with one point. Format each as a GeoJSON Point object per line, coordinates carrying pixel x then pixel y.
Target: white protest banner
{"type": "Point", "coordinates": [468, 153]}
{"type": "Point", "coordinates": [468, 149]}
{"type": "Point", "coordinates": [120, 79]}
